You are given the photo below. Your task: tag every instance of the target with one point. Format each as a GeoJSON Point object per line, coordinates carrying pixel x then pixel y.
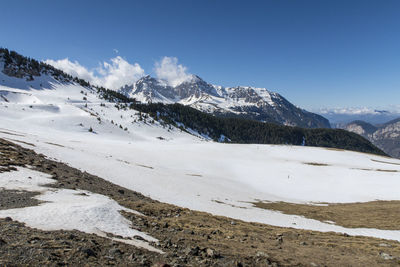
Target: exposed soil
{"type": "Point", "coordinates": [12, 199]}
{"type": "Point", "coordinates": [188, 238]}
{"type": "Point", "coordinates": [24, 246]}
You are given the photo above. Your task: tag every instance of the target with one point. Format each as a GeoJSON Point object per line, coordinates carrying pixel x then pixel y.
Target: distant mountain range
{"type": "Point", "coordinates": [386, 136]}
{"type": "Point", "coordinates": [241, 101]}
{"type": "Point", "coordinates": [339, 117]}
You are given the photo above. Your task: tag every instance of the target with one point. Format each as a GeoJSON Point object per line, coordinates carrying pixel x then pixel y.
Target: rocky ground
{"type": "Point", "coordinates": [188, 238]}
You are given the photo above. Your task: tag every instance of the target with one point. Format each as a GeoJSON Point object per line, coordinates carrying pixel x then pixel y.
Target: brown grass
{"type": "Point", "coordinates": [287, 246]}
{"type": "Point", "coordinates": [374, 214]}
{"type": "Point", "coordinates": [18, 141]}
{"type": "Point", "coordinates": [315, 164]}
{"type": "Point", "coordinates": [380, 161]}
{"type": "Point", "coordinates": [334, 149]}
{"type": "Point", "coordinates": [5, 132]}
{"type": "Point", "coordinates": [54, 144]}
{"type": "Point", "coordinates": [375, 170]}
{"type": "Point", "coordinates": [144, 166]}
{"type": "Point", "coordinates": [193, 174]}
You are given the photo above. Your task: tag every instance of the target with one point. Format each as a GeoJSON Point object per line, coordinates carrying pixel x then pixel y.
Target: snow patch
{"type": "Point", "coordinates": [68, 209]}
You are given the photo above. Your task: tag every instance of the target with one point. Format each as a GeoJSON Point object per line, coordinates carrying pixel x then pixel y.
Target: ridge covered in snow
{"type": "Point", "coordinates": [241, 101]}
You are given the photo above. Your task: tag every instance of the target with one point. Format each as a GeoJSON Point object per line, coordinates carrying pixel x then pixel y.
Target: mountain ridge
{"type": "Point", "coordinates": [240, 101]}
{"type": "Point", "coordinates": [386, 136]}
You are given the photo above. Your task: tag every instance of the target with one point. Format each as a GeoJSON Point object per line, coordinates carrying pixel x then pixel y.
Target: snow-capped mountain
{"type": "Point", "coordinates": [385, 136]}
{"type": "Point", "coordinates": [241, 101]}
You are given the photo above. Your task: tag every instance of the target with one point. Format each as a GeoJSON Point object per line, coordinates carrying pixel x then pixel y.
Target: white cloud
{"type": "Point", "coordinates": [350, 110]}
{"type": "Point", "coordinates": [119, 73]}
{"type": "Point", "coordinates": [359, 110]}
{"type": "Point", "coordinates": [113, 75]}
{"type": "Point", "coordinates": [168, 70]}
{"type": "Point", "coordinates": [73, 68]}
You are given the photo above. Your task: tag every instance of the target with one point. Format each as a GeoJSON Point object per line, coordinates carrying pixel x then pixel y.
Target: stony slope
{"type": "Point", "coordinates": [385, 136]}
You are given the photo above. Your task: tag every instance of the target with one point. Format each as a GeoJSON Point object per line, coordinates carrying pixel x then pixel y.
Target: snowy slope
{"type": "Point", "coordinates": [68, 108]}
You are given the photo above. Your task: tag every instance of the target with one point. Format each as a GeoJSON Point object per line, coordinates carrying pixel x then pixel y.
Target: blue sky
{"type": "Point", "coordinates": [314, 53]}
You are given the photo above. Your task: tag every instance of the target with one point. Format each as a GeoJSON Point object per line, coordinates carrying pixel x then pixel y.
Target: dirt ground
{"type": "Point", "coordinates": [188, 238]}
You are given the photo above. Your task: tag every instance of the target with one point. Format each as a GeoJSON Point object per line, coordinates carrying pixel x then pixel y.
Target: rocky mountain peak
{"type": "Point", "coordinates": [386, 136]}
{"type": "Point", "coordinates": [240, 101]}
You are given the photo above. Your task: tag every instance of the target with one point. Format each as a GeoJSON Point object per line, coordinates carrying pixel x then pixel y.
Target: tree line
{"type": "Point", "coordinates": [244, 131]}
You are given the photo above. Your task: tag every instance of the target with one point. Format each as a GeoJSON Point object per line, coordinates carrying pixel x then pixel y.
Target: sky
{"type": "Point", "coordinates": [317, 54]}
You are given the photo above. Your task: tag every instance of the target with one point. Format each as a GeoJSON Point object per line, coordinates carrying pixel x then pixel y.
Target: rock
{"type": "Point", "coordinates": [212, 253]}
{"type": "Point", "coordinates": [138, 237]}
{"type": "Point", "coordinates": [161, 264]}
{"type": "Point", "coordinates": [34, 240]}
{"type": "Point", "coordinates": [131, 257]}
{"type": "Point", "coordinates": [89, 252]}
{"type": "Point", "coordinates": [115, 252]}
{"type": "Point", "coordinates": [216, 232]}
{"type": "Point", "coordinates": [384, 245]}
{"type": "Point", "coordinates": [233, 223]}
{"type": "Point", "coordinates": [194, 251]}
{"type": "Point", "coordinates": [121, 191]}
{"type": "Point", "coordinates": [71, 236]}
{"type": "Point", "coordinates": [262, 254]}
{"type": "Point", "coordinates": [189, 232]}
{"type": "Point", "coordinates": [386, 256]}
{"type": "Point", "coordinates": [8, 219]}
{"type": "Point", "coordinates": [2, 242]}
{"type": "Point", "coordinates": [168, 243]}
